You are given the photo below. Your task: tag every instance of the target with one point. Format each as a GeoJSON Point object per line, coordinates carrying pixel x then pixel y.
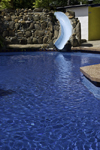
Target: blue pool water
{"type": "Point", "coordinates": [44, 105]}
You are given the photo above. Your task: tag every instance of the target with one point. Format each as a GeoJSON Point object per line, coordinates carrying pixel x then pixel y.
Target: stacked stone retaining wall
{"type": "Point", "coordinates": [37, 26]}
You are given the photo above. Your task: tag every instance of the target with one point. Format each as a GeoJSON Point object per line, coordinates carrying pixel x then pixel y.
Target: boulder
{"type": "Point", "coordinates": [78, 32]}
{"type": "Point", "coordinates": [37, 26]}
{"type": "Point", "coordinates": [32, 26]}
{"type": "Point", "coordinates": [36, 17]}
{"type": "Point", "coordinates": [11, 33]}
{"type": "Point", "coordinates": [56, 33]}
{"type": "Point", "coordinates": [45, 39]}
{"type": "Point", "coordinates": [25, 18]}
{"type": "Point", "coordinates": [23, 41]}
{"type": "Point", "coordinates": [16, 20]}
{"type": "Point", "coordinates": [73, 41]}
{"type": "Point", "coordinates": [29, 40]}
{"type": "Point", "coordinates": [5, 33]}
{"type": "Point", "coordinates": [44, 25]}
{"type": "Point", "coordinates": [14, 40]}
{"type": "Point", "coordinates": [17, 26]}
{"type": "Point", "coordinates": [20, 34]}
{"type": "Point", "coordinates": [35, 41]}
{"type": "Point", "coordinates": [8, 18]}
{"type": "Point", "coordinates": [28, 33]}
{"type": "Point", "coordinates": [38, 9]}
{"type": "Point", "coordinates": [40, 40]}
{"type": "Point", "coordinates": [39, 33]}
{"type": "Point", "coordinates": [70, 14]}
{"type": "Point", "coordinates": [11, 24]}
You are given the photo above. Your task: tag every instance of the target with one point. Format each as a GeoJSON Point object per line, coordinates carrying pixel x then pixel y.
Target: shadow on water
{"type": "Point", "coordinates": [6, 92]}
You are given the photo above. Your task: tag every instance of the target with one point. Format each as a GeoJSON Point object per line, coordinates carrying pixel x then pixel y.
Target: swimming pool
{"type": "Point", "coordinates": [43, 103]}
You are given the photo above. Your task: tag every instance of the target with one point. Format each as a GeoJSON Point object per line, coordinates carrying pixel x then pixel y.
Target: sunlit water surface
{"type": "Point", "coordinates": [44, 105]}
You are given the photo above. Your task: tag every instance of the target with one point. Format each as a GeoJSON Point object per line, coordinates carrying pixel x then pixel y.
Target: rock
{"type": "Point", "coordinates": [37, 26]}
{"type": "Point", "coordinates": [26, 10]}
{"type": "Point", "coordinates": [70, 13]}
{"type": "Point", "coordinates": [39, 33]}
{"type": "Point", "coordinates": [56, 33]}
{"type": "Point", "coordinates": [30, 17]}
{"type": "Point", "coordinates": [11, 24]}
{"type": "Point", "coordinates": [38, 9]}
{"type": "Point", "coordinates": [73, 22]}
{"type": "Point", "coordinates": [35, 41]}
{"type": "Point", "coordinates": [23, 41]}
{"type": "Point", "coordinates": [50, 28]}
{"type": "Point", "coordinates": [13, 17]}
{"type": "Point", "coordinates": [50, 35]}
{"type": "Point", "coordinates": [7, 40]}
{"type": "Point", "coordinates": [40, 40]}
{"type": "Point", "coordinates": [78, 32]}
{"type": "Point", "coordinates": [20, 34]}
{"type": "Point", "coordinates": [5, 25]}
{"type": "Point", "coordinates": [56, 27]}
{"type": "Point", "coordinates": [20, 17]}
{"type": "Point", "coordinates": [3, 13]}
{"type": "Point", "coordinates": [45, 10]}
{"type": "Point", "coordinates": [43, 17]}
{"type": "Point", "coordinates": [25, 18]}
{"type": "Point", "coordinates": [28, 33]}
{"type": "Point", "coordinates": [21, 13]}
{"type": "Point", "coordinates": [73, 41]}
{"type": "Point", "coordinates": [14, 40]}
{"type": "Point", "coordinates": [36, 17]}
{"type": "Point", "coordinates": [30, 10]}
{"type": "Point", "coordinates": [29, 40]}
{"type": "Point", "coordinates": [44, 25]}
{"type": "Point", "coordinates": [24, 24]}
{"type": "Point", "coordinates": [5, 33]}
{"type": "Point", "coordinates": [45, 40]}
{"type": "Point", "coordinates": [11, 33]}
{"type": "Point", "coordinates": [16, 20]}
{"type": "Point", "coordinates": [17, 26]}
{"type": "Point", "coordinates": [8, 18]}
{"type": "Point", "coordinates": [51, 45]}
{"type": "Point", "coordinates": [32, 26]}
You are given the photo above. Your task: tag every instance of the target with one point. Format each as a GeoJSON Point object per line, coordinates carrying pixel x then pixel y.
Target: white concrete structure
{"type": "Point", "coordinates": [82, 14]}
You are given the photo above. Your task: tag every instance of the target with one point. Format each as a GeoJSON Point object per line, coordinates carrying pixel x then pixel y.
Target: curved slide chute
{"type": "Point", "coordinates": [66, 30]}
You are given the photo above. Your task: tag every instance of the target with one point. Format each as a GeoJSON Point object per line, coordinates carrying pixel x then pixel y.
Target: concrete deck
{"type": "Point", "coordinates": [90, 46]}
{"type": "Point", "coordinates": [92, 72]}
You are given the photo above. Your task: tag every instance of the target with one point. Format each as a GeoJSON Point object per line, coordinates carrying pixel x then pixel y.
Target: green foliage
{"type": "Point", "coordinates": [23, 3]}
{"type": "Point", "coordinates": [16, 3]}
{"type": "Point", "coordinates": [42, 4]}
{"type": "Point", "coordinates": [5, 4]}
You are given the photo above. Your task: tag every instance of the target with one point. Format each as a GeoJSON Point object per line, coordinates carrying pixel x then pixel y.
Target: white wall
{"type": "Point", "coordinates": [82, 14]}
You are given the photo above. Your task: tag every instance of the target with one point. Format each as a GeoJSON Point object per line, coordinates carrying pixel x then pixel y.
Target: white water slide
{"type": "Point", "coordinates": [65, 30]}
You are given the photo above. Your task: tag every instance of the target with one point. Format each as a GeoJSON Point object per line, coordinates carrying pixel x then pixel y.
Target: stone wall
{"type": "Point", "coordinates": [37, 26]}
{"type": "Point", "coordinates": [75, 39]}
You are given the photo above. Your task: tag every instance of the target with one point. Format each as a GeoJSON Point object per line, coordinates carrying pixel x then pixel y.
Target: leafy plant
{"type": "Point", "coordinates": [5, 4]}
{"type": "Point", "coordinates": [42, 3]}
